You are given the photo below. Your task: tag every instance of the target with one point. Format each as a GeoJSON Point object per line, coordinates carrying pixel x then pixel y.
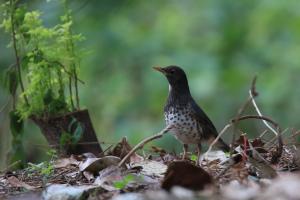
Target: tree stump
{"type": "Point", "coordinates": [54, 128]}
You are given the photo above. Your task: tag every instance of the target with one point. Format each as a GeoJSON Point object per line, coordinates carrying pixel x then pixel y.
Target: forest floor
{"type": "Point", "coordinates": [264, 167]}
{"type": "Point", "coordinates": [161, 175]}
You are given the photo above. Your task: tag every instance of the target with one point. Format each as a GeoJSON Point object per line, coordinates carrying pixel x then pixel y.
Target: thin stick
{"type": "Point", "coordinates": [217, 138]}
{"type": "Point", "coordinates": [243, 108]}
{"type": "Point", "coordinates": [260, 114]}
{"type": "Point", "coordinates": [71, 93]}
{"type": "Point", "coordinates": [18, 63]}
{"type": "Point", "coordinates": [256, 117]}
{"type": "Point", "coordinates": [143, 142]}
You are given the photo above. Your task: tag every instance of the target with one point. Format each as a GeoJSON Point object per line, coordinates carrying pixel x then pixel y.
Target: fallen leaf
{"type": "Point", "coordinates": [108, 176]}
{"type": "Point", "coordinates": [262, 169]}
{"type": "Point", "coordinates": [187, 175]}
{"type": "Point", "coordinates": [151, 168]}
{"type": "Point", "coordinates": [122, 149]}
{"type": "Point", "coordinates": [88, 175]}
{"type": "Point", "coordinates": [95, 165]}
{"type": "Point", "coordinates": [64, 162]}
{"type": "Point", "coordinates": [15, 182]}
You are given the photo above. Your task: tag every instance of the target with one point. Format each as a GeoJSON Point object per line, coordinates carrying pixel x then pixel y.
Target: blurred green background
{"type": "Point", "coordinates": [220, 44]}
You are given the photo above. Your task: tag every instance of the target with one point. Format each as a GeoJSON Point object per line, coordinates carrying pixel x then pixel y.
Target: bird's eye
{"type": "Point", "coordinates": [172, 71]}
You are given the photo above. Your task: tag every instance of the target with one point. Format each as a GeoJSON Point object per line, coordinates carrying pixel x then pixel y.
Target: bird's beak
{"type": "Point", "coordinates": [160, 69]}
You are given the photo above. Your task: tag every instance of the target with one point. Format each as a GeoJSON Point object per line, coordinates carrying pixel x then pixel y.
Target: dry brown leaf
{"type": "Point", "coordinates": [88, 175]}
{"type": "Point", "coordinates": [15, 182]}
{"type": "Point", "coordinates": [64, 162]}
{"type": "Point", "coordinates": [95, 165]}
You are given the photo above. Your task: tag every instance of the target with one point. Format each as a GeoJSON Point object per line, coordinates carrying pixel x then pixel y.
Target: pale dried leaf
{"type": "Point", "coordinates": [15, 182]}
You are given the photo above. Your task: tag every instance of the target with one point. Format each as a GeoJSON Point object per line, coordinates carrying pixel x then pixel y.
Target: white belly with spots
{"type": "Point", "coordinates": [185, 128]}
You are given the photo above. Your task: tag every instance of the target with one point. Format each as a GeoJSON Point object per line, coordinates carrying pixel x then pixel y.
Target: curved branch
{"type": "Point", "coordinates": [142, 143]}
{"type": "Point", "coordinates": [256, 117]}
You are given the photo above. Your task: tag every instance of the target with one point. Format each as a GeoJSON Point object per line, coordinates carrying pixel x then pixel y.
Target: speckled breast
{"type": "Point", "coordinates": [185, 127]}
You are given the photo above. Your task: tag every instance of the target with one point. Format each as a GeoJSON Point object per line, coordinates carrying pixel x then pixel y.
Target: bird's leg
{"type": "Point", "coordinates": [185, 149]}
{"type": "Point", "coordinates": [198, 153]}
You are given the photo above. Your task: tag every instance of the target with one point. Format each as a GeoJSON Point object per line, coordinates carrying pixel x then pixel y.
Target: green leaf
{"type": "Point", "coordinates": [37, 56]}
{"type": "Point", "coordinates": [20, 14]}
{"type": "Point", "coordinates": [77, 134]}
{"type": "Point", "coordinates": [194, 157]}
{"type": "Point", "coordinates": [119, 184]}
{"type": "Point", "coordinates": [123, 183]}
{"type": "Point", "coordinates": [25, 62]}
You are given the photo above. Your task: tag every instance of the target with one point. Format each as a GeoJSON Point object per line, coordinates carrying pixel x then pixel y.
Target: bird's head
{"type": "Point", "coordinates": [176, 77]}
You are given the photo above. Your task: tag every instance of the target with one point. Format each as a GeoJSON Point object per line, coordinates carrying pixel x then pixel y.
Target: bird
{"type": "Point", "coordinates": [189, 123]}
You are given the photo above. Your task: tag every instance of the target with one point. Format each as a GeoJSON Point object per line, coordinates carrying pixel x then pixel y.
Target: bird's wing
{"type": "Point", "coordinates": [209, 130]}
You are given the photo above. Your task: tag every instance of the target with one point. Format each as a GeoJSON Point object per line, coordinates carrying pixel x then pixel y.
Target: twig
{"type": "Point", "coordinates": [271, 141]}
{"type": "Point", "coordinates": [64, 68]}
{"type": "Point", "coordinates": [260, 114]}
{"type": "Point", "coordinates": [18, 64]}
{"type": "Point", "coordinates": [264, 118]}
{"type": "Point", "coordinates": [263, 133]}
{"type": "Point", "coordinates": [217, 138]}
{"type": "Point", "coordinates": [243, 108]}
{"type": "Point", "coordinates": [278, 153]}
{"type": "Point", "coordinates": [143, 142]}
{"type": "Point", "coordinates": [71, 93]}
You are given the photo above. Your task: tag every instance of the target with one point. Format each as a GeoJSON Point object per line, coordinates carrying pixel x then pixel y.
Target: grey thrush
{"type": "Point", "coordinates": [190, 124]}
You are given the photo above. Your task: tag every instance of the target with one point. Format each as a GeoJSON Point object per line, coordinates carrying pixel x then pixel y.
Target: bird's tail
{"type": "Point", "coordinates": [222, 145]}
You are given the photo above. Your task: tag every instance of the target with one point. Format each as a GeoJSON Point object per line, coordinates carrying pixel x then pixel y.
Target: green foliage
{"type": "Point", "coordinates": [49, 61]}
{"type": "Point", "coordinates": [194, 157]}
{"type": "Point", "coordinates": [46, 71]}
{"type": "Point", "coordinates": [45, 169]}
{"type": "Point", "coordinates": [124, 182]}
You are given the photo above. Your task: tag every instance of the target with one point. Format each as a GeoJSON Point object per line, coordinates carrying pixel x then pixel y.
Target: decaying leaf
{"type": "Point", "coordinates": [187, 175]}
{"type": "Point", "coordinates": [122, 149]}
{"type": "Point", "coordinates": [151, 168]}
{"type": "Point", "coordinates": [64, 162]}
{"type": "Point", "coordinates": [15, 182]}
{"type": "Point", "coordinates": [262, 169]}
{"type": "Point", "coordinates": [108, 176]}
{"type": "Point", "coordinates": [94, 165]}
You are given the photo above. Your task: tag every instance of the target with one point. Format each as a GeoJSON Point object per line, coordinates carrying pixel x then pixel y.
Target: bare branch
{"type": "Point", "coordinates": [142, 144]}
{"type": "Point", "coordinates": [259, 113]}
{"type": "Point", "coordinates": [264, 118]}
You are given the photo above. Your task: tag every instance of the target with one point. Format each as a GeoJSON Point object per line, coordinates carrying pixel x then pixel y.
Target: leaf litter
{"type": "Point", "coordinates": [258, 168]}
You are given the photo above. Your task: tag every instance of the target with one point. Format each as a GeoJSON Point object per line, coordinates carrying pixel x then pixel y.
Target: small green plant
{"type": "Point", "coordinates": [124, 182]}
{"type": "Point", "coordinates": [194, 157]}
{"type": "Point", "coordinates": [48, 59]}
{"type": "Point", "coordinates": [46, 168]}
